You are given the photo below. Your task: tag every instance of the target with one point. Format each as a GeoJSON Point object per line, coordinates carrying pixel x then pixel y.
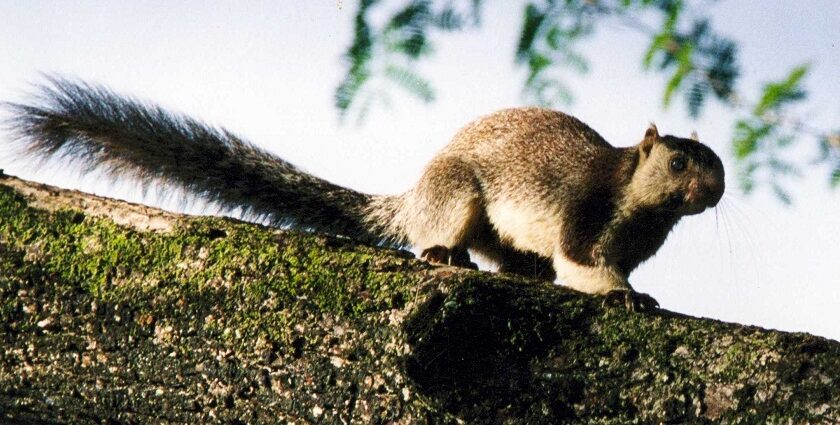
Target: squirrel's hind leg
{"type": "Point", "coordinates": [442, 214]}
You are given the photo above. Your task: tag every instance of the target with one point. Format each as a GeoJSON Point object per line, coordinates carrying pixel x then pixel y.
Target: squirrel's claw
{"type": "Point", "coordinates": [632, 300]}
{"type": "Point", "coordinates": [457, 257]}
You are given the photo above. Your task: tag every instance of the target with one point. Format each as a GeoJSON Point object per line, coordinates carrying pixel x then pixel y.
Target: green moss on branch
{"type": "Point", "coordinates": [211, 319]}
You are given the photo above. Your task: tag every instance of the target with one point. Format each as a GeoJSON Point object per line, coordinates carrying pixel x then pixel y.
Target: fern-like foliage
{"type": "Point", "coordinates": [546, 46]}
{"type": "Point", "coordinates": [699, 65]}
{"type": "Point", "coordinates": [382, 57]}
{"type": "Point", "coordinates": [761, 138]}
{"type": "Point", "coordinates": [358, 57]}
{"type": "Point", "coordinates": [829, 152]}
{"type": "Point", "coordinates": [699, 62]}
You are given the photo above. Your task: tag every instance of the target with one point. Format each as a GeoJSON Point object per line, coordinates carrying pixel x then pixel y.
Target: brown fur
{"type": "Point", "coordinates": [536, 191]}
{"type": "Point", "coordinates": [527, 187]}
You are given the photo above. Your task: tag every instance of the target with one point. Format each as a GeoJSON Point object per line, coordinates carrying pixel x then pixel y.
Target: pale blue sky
{"type": "Point", "coordinates": [267, 70]}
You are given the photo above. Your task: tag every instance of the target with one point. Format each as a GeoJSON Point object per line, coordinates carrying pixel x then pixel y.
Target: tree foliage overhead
{"type": "Point", "coordinates": [383, 56]}
{"type": "Point", "coordinates": [759, 138]}
{"type": "Point", "coordinates": [393, 36]}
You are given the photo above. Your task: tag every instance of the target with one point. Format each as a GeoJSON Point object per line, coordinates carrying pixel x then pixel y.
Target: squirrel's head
{"type": "Point", "coordinates": [676, 174]}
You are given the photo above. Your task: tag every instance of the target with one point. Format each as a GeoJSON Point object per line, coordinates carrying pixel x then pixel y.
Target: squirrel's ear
{"type": "Point", "coordinates": [651, 136]}
{"type": "Point", "coordinates": [694, 136]}
{"type": "Point", "coordinates": [652, 132]}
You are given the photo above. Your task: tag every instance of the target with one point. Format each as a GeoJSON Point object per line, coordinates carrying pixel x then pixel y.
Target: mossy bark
{"type": "Point", "coordinates": [165, 318]}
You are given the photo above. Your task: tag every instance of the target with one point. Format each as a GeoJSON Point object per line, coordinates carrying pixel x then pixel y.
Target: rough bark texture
{"type": "Point", "coordinates": [171, 319]}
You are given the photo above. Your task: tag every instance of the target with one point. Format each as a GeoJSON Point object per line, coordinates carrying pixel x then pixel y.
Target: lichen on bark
{"type": "Point", "coordinates": [193, 319]}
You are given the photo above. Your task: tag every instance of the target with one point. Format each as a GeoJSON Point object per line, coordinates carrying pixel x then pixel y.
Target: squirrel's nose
{"type": "Point", "coordinates": [705, 192]}
{"type": "Point", "coordinates": [715, 187]}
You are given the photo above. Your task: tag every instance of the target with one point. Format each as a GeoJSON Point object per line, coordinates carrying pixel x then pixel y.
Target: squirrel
{"type": "Point", "coordinates": [536, 191]}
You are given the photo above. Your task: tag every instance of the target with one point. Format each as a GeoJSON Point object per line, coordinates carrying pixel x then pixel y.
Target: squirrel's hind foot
{"type": "Point", "coordinates": [632, 300]}
{"type": "Point", "coordinates": [458, 257]}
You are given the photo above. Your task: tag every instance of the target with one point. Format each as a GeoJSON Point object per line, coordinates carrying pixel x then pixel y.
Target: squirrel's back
{"type": "Point", "coordinates": [540, 146]}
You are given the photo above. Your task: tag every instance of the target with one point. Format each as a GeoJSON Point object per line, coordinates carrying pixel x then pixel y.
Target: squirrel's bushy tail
{"type": "Point", "coordinates": [99, 129]}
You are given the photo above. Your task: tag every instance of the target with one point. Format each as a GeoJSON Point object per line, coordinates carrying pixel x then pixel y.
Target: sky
{"type": "Point", "coordinates": [267, 71]}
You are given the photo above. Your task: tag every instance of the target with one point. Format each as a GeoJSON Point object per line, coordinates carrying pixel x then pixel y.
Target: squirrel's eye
{"type": "Point", "coordinates": [678, 164]}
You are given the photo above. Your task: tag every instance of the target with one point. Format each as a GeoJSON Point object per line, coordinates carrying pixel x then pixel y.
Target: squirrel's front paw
{"type": "Point", "coordinates": [457, 257]}
{"type": "Point", "coordinates": [632, 300]}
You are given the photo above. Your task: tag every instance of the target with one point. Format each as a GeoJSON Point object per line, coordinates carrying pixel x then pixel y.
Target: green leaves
{"type": "Point", "coordinates": [406, 31]}
{"type": "Point", "coordinates": [700, 62]}
{"type": "Point", "coordinates": [747, 136]}
{"type": "Point", "coordinates": [684, 66]}
{"type": "Point", "coordinates": [384, 56]}
{"type": "Point", "coordinates": [778, 94]}
{"type": "Point", "coordinates": [411, 82]}
{"type": "Point", "coordinates": [760, 138]}
{"type": "Point", "coordinates": [549, 32]}
{"type": "Point", "coordinates": [829, 152]}
{"type": "Point", "coordinates": [358, 57]}
{"type": "Point", "coordinates": [533, 18]}
{"type": "Point", "coordinates": [835, 177]}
